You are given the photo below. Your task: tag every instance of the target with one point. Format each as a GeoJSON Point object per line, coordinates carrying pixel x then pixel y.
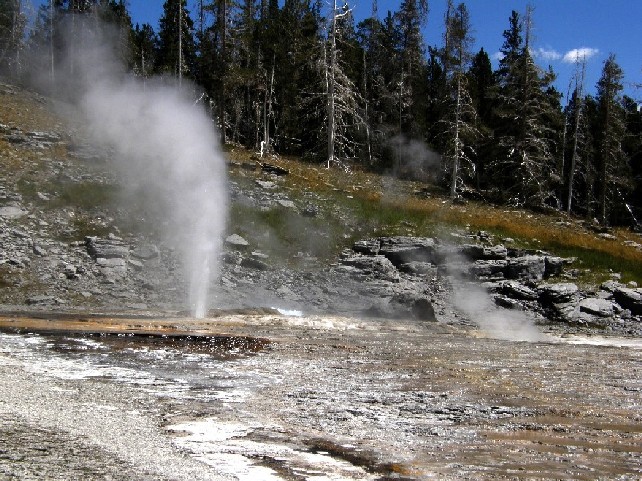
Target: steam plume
{"type": "Point", "coordinates": [497, 323]}
{"type": "Point", "coordinates": [164, 142]}
{"type": "Point", "coordinates": [477, 304]}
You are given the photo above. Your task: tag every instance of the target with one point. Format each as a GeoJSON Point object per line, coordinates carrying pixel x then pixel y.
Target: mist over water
{"type": "Point", "coordinates": [164, 145]}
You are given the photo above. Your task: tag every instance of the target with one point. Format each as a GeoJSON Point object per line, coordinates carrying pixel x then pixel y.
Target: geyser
{"type": "Point", "coordinates": [164, 145]}
{"type": "Point", "coordinates": [167, 144]}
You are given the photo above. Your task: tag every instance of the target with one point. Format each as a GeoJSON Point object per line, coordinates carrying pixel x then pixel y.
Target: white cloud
{"type": "Point", "coordinates": [547, 54]}
{"type": "Point", "coordinates": [576, 54]}
{"type": "Point", "coordinates": [497, 56]}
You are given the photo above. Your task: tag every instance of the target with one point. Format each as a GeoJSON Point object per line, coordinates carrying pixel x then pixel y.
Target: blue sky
{"type": "Point", "coordinates": [560, 27]}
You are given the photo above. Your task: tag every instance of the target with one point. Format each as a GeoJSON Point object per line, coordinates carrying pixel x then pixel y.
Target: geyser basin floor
{"type": "Point", "coordinates": [324, 398]}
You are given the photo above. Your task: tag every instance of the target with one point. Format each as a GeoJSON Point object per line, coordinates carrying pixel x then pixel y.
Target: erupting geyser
{"type": "Point", "coordinates": [164, 145]}
{"type": "Point", "coordinates": [167, 144]}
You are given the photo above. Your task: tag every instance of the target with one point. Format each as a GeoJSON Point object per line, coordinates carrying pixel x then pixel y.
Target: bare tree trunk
{"type": "Point", "coordinates": [579, 92]}
{"type": "Point", "coordinates": [455, 166]}
{"type": "Point", "coordinates": [223, 20]}
{"type": "Point", "coordinates": [180, 42]}
{"type": "Point", "coordinates": [562, 162]}
{"type": "Point", "coordinates": [330, 81]}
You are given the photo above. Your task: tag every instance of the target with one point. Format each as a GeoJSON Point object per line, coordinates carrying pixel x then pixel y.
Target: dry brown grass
{"type": "Point", "coordinates": [557, 232]}
{"type": "Point", "coordinates": [27, 110]}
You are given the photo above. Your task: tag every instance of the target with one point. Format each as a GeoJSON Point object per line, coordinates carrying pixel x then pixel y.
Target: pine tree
{"type": "Point", "coordinates": [632, 147]}
{"type": "Point", "coordinates": [243, 73]}
{"type": "Point", "coordinates": [299, 80]}
{"type": "Point", "coordinates": [378, 43]}
{"type": "Point", "coordinates": [176, 52]}
{"type": "Point", "coordinates": [40, 44]}
{"type": "Point", "coordinates": [611, 162]}
{"type": "Point", "coordinates": [144, 50]}
{"type": "Point", "coordinates": [12, 29]}
{"type": "Point", "coordinates": [409, 19]}
{"type": "Point", "coordinates": [115, 13]}
{"type": "Point", "coordinates": [525, 135]}
{"type": "Point", "coordinates": [483, 93]}
{"type": "Point", "coordinates": [214, 57]}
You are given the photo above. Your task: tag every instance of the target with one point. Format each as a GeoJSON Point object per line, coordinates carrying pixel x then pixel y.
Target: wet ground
{"type": "Point", "coordinates": [274, 397]}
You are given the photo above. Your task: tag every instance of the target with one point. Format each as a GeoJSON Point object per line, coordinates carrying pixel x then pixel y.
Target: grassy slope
{"type": "Point", "coordinates": [353, 205]}
{"type": "Point", "coordinates": [381, 205]}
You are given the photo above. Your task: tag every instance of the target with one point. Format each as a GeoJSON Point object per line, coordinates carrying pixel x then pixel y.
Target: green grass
{"type": "Point", "coordinates": [283, 233]}
{"type": "Point", "coordinates": [597, 265]}
{"type": "Point", "coordinates": [83, 226]}
{"type": "Point", "coordinates": [85, 195]}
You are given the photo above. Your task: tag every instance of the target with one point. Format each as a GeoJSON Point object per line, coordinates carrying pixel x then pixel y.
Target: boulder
{"type": "Point", "coordinates": [146, 252]}
{"type": "Point", "coordinates": [508, 303]}
{"type": "Point", "coordinates": [528, 267]}
{"type": "Point", "coordinates": [112, 263]}
{"type": "Point", "coordinates": [374, 267]}
{"type": "Point", "coordinates": [401, 250]}
{"type": "Point", "coordinates": [39, 300]}
{"type": "Point", "coordinates": [135, 264]}
{"type": "Point", "coordinates": [70, 271]}
{"type": "Point", "coordinates": [236, 240]}
{"type": "Point", "coordinates": [288, 204]}
{"type": "Point", "coordinates": [610, 286]}
{"type": "Point", "coordinates": [421, 268]}
{"type": "Point", "coordinates": [369, 247]}
{"type": "Point", "coordinates": [406, 305]}
{"type": "Point", "coordinates": [254, 263]}
{"type": "Point", "coordinates": [266, 184]}
{"type": "Point", "coordinates": [106, 248]}
{"type": "Point", "coordinates": [11, 212]}
{"type": "Point", "coordinates": [516, 290]}
{"type": "Point", "coordinates": [39, 251]}
{"type": "Point", "coordinates": [423, 310]}
{"type": "Point", "coordinates": [562, 292]}
{"type": "Point", "coordinates": [477, 252]}
{"type": "Point", "coordinates": [310, 210]}
{"type": "Point", "coordinates": [630, 299]}
{"type": "Point", "coordinates": [553, 266]}
{"type": "Point", "coordinates": [598, 307]}
{"type": "Point", "coordinates": [489, 269]}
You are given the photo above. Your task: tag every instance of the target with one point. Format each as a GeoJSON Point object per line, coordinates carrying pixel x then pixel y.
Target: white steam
{"type": "Point", "coordinates": [414, 159]}
{"type": "Point", "coordinates": [477, 305]}
{"type": "Point", "coordinates": [473, 301]}
{"type": "Point", "coordinates": [164, 144]}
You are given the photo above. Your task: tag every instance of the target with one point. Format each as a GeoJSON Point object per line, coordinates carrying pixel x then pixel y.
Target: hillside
{"type": "Point", "coordinates": [72, 239]}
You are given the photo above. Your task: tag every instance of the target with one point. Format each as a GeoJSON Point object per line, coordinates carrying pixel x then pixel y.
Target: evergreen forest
{"type": "Point", "coordinates": [304, 78]}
